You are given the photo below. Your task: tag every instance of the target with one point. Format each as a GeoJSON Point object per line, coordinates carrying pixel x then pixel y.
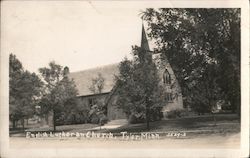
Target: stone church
{"type": "Point", "coordinates": [83, 79]}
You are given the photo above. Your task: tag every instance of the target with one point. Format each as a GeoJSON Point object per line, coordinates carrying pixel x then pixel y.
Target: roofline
{"type": "Point", "coordinates": [92, 68]}
{"type": "Point", "coordinates": [89, 95]}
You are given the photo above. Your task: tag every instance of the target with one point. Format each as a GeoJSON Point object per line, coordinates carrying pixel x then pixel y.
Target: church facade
{"type": "Point", "coordinates": [83, 79]}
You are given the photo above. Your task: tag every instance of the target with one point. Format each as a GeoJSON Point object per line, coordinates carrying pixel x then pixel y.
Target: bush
{"type": "Point", "coordinates": [177, 113]}
{"type": "Point", "coordinates": [103, 120]}
{"type": "Point", "coordinates": [156, 114]}
{"type": "Point", "coordinates": [201, 109]}
{"type": "Point", "coordinates": [171, 114]}
{"type": "Point", "coordinates": [72, 117]}
{"type": "Point", "coordinates": [133, 118]}
{"type": "Point", "coordinates": [94, 119]}
{"type": "Point", "coordinates": [184, 112]}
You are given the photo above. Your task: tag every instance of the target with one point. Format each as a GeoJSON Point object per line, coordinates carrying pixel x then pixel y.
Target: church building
{"type": "Point", "coordinates": [83, 80]}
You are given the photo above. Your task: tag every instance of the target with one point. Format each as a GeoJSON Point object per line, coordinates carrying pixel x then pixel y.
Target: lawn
{"type": "Point", "coordinates": [65, 128]}
{"type": "Point", "coordinates": [225, 123]}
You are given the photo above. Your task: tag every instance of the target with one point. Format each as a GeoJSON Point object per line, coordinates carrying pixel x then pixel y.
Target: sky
{"type": "Point", "coordinates": [79, 35]}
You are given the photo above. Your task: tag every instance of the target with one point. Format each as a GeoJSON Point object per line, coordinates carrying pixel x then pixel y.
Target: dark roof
{"type": "Point", "coordinates": [83, 79]}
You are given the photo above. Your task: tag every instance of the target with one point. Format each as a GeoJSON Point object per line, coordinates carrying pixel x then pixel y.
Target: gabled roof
{"type": "Point", "coordinates": [83, 79]}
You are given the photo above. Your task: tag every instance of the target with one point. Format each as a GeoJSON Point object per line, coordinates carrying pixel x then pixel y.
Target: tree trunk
{"type": "Point", "coordinates": [54, 120]}
{"type": "Point", "coordinates": [13, 124]}
{"type": "Point", "coordinates": [27, 122]}
{"type": "Point", "coordinates": [214, 118]}
{"type": "Point", "coordinates": [22, 121]}
{"type": "Point", "coordinates": [239, 111]}
{"type": "Point", "coordinates": [212, 110]}
{"type": "Point", "coordinates": [47, 119]}
{"type": "Point", "coordinates": [147, 116]}
{"type": "Point", "coordinates": [147, 124]}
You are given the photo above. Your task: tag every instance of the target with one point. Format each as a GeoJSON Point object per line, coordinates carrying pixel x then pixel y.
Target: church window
{"type": "Point", "coordinates": [92, 101]}
{"type": "Point", "coordinates": [176, 96]}
{"type": "Point", "coordinates": [166, 77]}
{"type": "Point", "coordinates": [169, 97]}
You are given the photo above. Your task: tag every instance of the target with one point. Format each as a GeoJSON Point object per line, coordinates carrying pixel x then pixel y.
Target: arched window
{"type": "Point", "coordinates": [169, 97]}
{"type": "Point", "coordinates": [166, 77]}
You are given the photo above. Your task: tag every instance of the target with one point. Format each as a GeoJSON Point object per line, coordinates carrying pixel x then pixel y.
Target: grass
{"type": "Point", "coordinates": [225, 123]}
{"type": "Point", "coordinates": [65, 128]}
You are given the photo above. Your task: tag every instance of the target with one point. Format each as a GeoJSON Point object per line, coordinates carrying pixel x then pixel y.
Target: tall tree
{"type": "Point", "coordinates": [193, 39]}
{"type": "Point", "coordinates": [139, 93]}
{"type": "Point", "coordinates": [24, 91]}
{"type": "Point", "coordinates": [96, 113]}
{"type": "Point", "coordinates": [59, 91]}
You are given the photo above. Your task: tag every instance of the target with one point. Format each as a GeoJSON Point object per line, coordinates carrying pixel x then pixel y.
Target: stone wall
{"type": "Point", "coordinates": [173, 87]}
{"type": "Point", "coordinates": [113, 112]}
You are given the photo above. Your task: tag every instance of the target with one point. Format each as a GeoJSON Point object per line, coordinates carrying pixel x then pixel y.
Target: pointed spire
{"type": "Point", "coordinates": [144, 41]}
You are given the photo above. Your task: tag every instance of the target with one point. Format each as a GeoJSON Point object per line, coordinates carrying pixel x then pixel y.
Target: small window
{"type": "Point", "coordinates": [169, 97]}
{"type": "Point", "coordinates": [166, 77]}
{"type": "Point", "coordinates": [176, 96]}
{"type": "Point", "coordinates": [92, 101]}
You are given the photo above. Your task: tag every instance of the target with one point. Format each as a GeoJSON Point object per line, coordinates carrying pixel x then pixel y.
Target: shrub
{"type": "Point", "coordinates": [171, 114]}
{"type": "Point", "coordinates": [132, 119]}
{"type": "Point", "coordinates": [103, 120]}
{"type": "Point", "coordinates": [136, 118]}
{"type": "Point", "coordinates": [184, 112]}
{"type": "Point", "coordinates": [156, 114]}
{"type": "Point", "coordinates": [94, 118]}
{"type": "Point", "coordinates": [177, 113]}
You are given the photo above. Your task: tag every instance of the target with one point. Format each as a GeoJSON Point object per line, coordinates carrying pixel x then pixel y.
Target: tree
{"type": "Point", "coordinates": [192, 39]}
{"type": "Point", "coordinates": [97, 84]}
{"type": "Point", "coordinates": [24, 91]}
{"type": "Point", "coordinates": [139, 93]}
{"type": "Point", "coordinates": [59, 91]}
{"type": "Point", "coordinates": [96, 112]}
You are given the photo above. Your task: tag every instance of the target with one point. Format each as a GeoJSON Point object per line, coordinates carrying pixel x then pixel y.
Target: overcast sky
{"type": "Point", "coordinates": [80, 35]}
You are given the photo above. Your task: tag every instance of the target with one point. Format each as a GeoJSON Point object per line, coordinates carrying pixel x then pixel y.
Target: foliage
{"type": "Point", "coordinates": [59, 92]}
{"type": "Point", "coordinates": [96, 114]}
{"type": "Point", "coordinates": [103, 119]}
{"type": "Point", "coordinates": [177, 113]}
{"type": "Point", "coordinates": [24, 91]}
{"type": "Point", "coordinates": [136, 118]}
{"type": "Point", "coordinates": [139, 93]}
{"type": "Point", "coordinates": [203, 48]}
{"type": "Point", "coordinates": [77, 114]}
{"type": "Point", "coordinates": [97, 84]}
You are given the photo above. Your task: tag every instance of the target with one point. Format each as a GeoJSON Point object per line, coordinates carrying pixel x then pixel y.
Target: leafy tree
{"type": "Point", "coordinates": [139, 93]}
{"type": "Point", "coordinates": [24, 91]}
{"type": "Point", "coordinates": [59, 91]}
{"type": "Point", "coordinates": [192, 40]}
{"type": "Point", "coordinates": [97, 84]}
{"type": "Point", "coordinates": [96, 113]}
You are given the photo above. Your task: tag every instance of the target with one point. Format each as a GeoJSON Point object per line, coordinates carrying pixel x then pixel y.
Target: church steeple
{"type": "Point", "coordinates": [144, 41]}
{"type": "Point", "coordinates": [145, 54]}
